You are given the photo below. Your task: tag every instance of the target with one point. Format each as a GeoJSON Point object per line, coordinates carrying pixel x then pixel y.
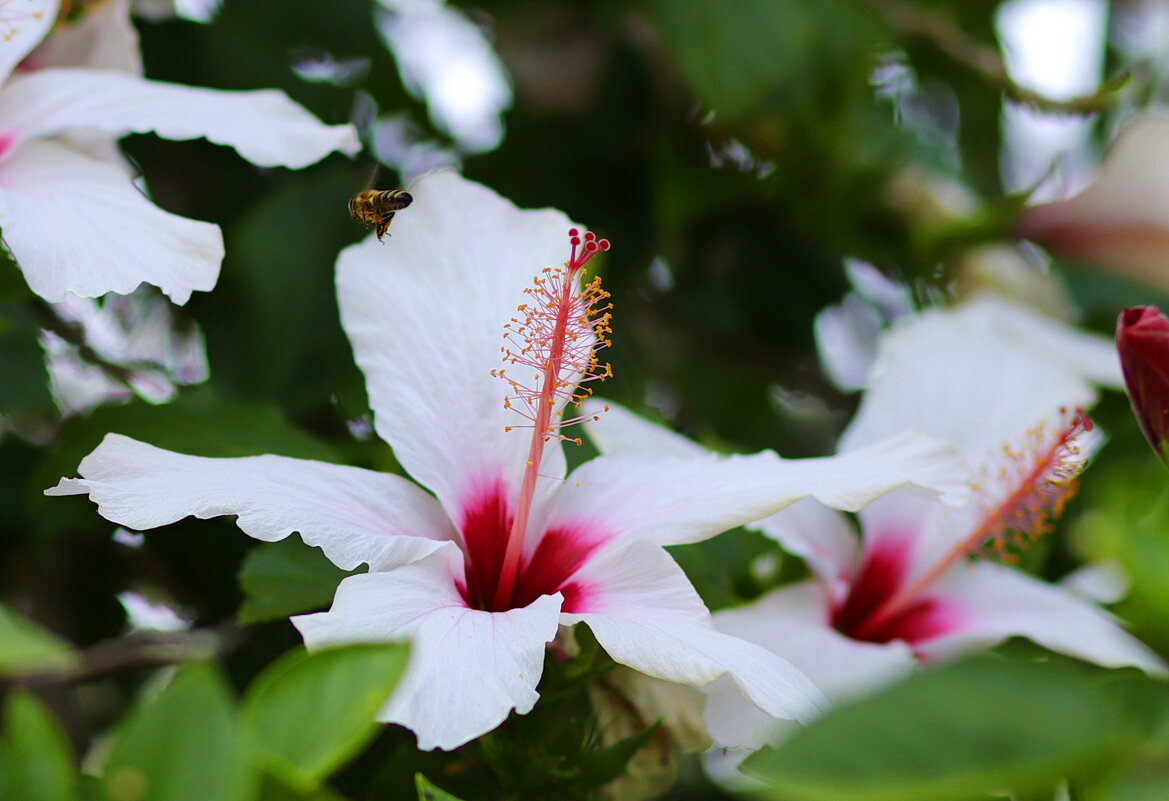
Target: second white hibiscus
{"type": "Point", "coordinates": [481, 575]}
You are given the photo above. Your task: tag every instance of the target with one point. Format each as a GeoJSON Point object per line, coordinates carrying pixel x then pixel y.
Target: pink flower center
{"type": "Point", "coordinates": [881, 575]}
{"type": "Point", "coordinates": [548, 569]}
{"type": "Point", "coordinates": [1023, 495]}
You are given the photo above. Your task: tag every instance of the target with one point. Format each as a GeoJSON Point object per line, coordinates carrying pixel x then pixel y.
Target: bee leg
{"type": "Point", "coordinates": [383, 225]}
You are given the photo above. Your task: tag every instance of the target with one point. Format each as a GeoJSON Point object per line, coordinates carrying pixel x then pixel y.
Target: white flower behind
{"type": "Point", "coordinates": [72, 219]}
{"type": "Point", "coordinates": [478, 593]}
{"type": "Point", "coordinates": [1002, 385]}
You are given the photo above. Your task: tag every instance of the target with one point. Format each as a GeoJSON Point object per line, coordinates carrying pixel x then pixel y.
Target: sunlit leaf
{"type": "Point", "coordinates": [27, 648]}
{"type": "Point", "coordinates": [181, 745]}
{"type": "Point", "coordinates": [38, 763]}
{"type": "Point", "coordinates": [308, 713]}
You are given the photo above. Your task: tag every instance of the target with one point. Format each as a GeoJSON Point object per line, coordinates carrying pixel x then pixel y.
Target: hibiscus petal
{"type": "Point", "coordinates": [425, 311]}
{"type": "Point", "coordinates": [468, 669]}
{"type": "Point", "coordinates": [355, 516]}
{"type": "Point", "coordinates": [687, 499]}
{"type": "Point", "coordinates": [986, 385]}
{"type": "Point", "coordinates": [647, 616]}
{"type": "Point", "coordinates": [104, 38]}
{"type": "Point", "coordinates": [793, 623]}
{"type": "Point", "coordinates": [997, 378]}
{"type": "Point", "coordinates": [110, 238]}
{"type": "Point", "coordinates": [996, 602]}
{"type": "Point", "coordinates": [23, 24]}
{"type": "Point", "coordinates": [1085, 353]}
{"type": "Point", "coordinates": [264, 126]}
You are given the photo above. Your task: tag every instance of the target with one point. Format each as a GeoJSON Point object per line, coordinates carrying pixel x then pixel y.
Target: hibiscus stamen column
{"type": "Point", "coordinates": [561, 328]}
{"type": "Point", "coordinates": [1039, 477]}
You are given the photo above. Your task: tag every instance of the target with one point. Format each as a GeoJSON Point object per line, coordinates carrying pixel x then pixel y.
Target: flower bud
{"type": "Point", "coordinates": [1142, 339]}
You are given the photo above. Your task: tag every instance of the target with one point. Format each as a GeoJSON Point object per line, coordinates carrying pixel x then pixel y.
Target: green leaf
{"type": "Point", "coordinates": [27, 648]}
{"type": "Point", "coordinates": [606, 764]}
{"type": "Point", "coordinates": [747, 56]}
{"type": "Point", "coordinates": [284, 578]}
{"type": "Point", "coordinates": [958, 732]}
{"type": "Point", "coordinates": [180, 746]}
{"type": "Point", "coordinates": [427, 791]}
{"type": "Point", "coordinates": [735, 54]}
{"type": "Point", "coordinates": [26, 381]}
{"type": "Point", "coordinates": [276, 788]}
{"type": "Point", "coordinates": [283, 289]}
{"type": "Point", "coordinates": [38, 761]}
{"type": "Point", "coordinates": [308, 713]}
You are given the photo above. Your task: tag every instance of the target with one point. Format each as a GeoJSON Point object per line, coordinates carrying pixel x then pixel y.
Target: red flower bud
{"type": "Point", "coordinates": [1142, 339]}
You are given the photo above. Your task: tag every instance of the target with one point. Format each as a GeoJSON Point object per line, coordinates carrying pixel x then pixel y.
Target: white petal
{"type": "Point", "coordinates": [468, 669]}
{"type": "Point", "coordinates": [822, 537]}
{"type": "Point", "coordinates": [891, 298]}
{"type": "Point", "coordinates": [353, 515]}
{"type": "Point", "coordinates": [264, 126]}
{"type": "Point", "coordinates": [996, 602]}
{"type": "Point", "coordinates": [617, 430]}
{"type": "Point", "coordinates": [104, 39]}
{"type": "Point", "coordinates": [76, 224]}
{"type": "Point", "coordinates": [647, 616]}
{"type": "Point", "coordinates": [793, 623]}
{"type": "Point", "coordinates": [688, 499]}
{"type": "Point", "coordinates": [425, 311]}
{"type": "Point", "coordinates": [23, 24]}
{"type": "Point", "coordinates": [1087, 354]}
{"type": "Point", "coordinates": [958, 375]}
{"type": "Point", "coordinates": [846, 341]}
{"type": "Point", "coordinates": [1100, 582]}
{"type": "Point", "coordinates": [445, 59]}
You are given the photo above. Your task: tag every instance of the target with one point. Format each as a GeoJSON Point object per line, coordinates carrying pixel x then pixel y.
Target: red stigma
{"type": "Point", "coordinates": [583, 250]}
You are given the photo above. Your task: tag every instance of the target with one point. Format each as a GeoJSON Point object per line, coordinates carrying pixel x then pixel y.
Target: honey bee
{"type": "Point", "coordinates": [377, 207]}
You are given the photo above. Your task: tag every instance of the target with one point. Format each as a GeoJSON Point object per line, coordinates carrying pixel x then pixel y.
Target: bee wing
{"type": "Point", "coordinates": [371, 178]}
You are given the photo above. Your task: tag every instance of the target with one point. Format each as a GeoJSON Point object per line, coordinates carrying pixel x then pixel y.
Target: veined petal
{"type": "Point", "coordinates": [23, 24]}
{"type": "Point", "coordinates": [264, 126]}
{"type": "Point", "coordinates": [77, 224]}
{"type": "Point", "coordinates": [687, 499]}
{"type": "Point", "coordinates": [425, 311]}
{"type": "Point", "coordinates": [646, 615]}
{"type": "Point", "coordinates": [986, 387]}
{"type": "Point", "coordinates": [997, 602]}
{"type": "Point", "coordinates": [355, 516]}
{"type": "Point", "coordinates": [807, 528]}
{"type": "Point", "coordinates": [793, 623]}
{"type": "Point", "coordinates": [468, 669]}
{"type": "Point", "coordinates": [104, 38]}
